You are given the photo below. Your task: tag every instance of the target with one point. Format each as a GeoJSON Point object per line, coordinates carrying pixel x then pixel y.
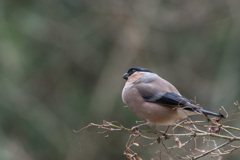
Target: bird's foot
{"type": "Point", "coordinates": [165, 134]}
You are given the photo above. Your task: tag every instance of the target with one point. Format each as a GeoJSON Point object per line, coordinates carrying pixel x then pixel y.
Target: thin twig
{"type": "Point", "coordinates": [192, 129]}
{"type": "Point", "coordinates": [204, 154]}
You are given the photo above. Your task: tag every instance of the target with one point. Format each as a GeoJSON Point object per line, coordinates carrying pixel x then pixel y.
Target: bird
{"type": "Point", "coordinates": [155, 100]}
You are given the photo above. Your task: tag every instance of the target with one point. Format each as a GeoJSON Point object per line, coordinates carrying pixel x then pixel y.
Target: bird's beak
{"type": "Point", "coordinates": [125, 76]}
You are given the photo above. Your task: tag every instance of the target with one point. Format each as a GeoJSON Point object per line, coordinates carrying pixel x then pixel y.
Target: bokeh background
{"type": "Point", "coordinates": [62, 61]}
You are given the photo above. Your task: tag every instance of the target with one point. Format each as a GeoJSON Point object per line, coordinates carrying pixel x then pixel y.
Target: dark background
{"type": "Point", "coordinates": [62, 61]}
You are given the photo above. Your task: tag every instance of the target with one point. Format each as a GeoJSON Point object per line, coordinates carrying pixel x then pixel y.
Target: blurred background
{"type": "Point", "coordinates": [62, 61]}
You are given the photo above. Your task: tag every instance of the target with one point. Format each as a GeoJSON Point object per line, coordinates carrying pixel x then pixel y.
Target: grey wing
{"type": "Point", "coordinates": [153, 94]}
{"type": "Point", "coordinates": [169, 98]}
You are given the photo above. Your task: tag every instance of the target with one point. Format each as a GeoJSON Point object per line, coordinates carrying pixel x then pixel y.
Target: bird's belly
{"type": "Point", "coordinates": [153, 113]}
{"type": "Point", "coordinates": [156, 114]}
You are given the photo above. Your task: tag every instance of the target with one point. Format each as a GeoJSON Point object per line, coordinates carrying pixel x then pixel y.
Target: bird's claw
{"type": "Point", "coordinates": [166, 136]}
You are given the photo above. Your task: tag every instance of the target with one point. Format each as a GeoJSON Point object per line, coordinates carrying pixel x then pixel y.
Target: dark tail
{"type": "Point", "coordinates": [210, 113]}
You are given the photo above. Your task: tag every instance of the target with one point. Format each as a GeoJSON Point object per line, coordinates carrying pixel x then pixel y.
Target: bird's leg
{"type": "Point", "coordinates": [165, 133]}
{"type": "Point", "coordinates": [138, 126]}
{"type": "Point", "coordinates": [167, 130]}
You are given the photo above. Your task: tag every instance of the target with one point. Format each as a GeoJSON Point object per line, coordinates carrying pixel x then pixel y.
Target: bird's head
{"type": "Point", "coordinates": [135, 73]}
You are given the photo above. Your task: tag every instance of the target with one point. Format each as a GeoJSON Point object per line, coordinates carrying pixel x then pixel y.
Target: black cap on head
{"type": "Point", "coordinates": [133, 70]}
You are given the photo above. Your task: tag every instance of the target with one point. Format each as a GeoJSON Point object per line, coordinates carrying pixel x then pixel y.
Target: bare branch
{"type": "Point", "coordinates": [208, 131]}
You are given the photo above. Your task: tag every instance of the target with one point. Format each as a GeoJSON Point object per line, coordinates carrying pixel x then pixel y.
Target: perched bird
{"type": "Point", "coordinates": [155, 100]}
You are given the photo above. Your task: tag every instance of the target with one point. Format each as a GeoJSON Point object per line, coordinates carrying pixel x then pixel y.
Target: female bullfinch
{"type": "Point", "coordinates": [155, 100]}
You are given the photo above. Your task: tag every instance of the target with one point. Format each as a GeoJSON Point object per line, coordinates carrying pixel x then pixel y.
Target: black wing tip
{"type": "Point", "coordinates": [221, 115]}
{"type": "Point", "coordinates": [210, 113]}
